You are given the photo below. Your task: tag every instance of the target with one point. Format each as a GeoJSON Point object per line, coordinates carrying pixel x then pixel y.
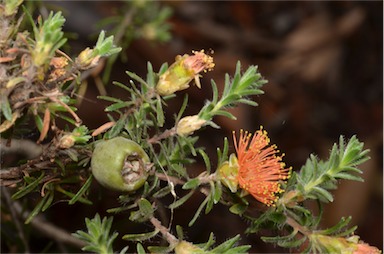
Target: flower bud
{"type": "Point", "coordinates": [78, 135]}
{"type": "Point", "coordinates": [329, 244]}
{"type": "Point", "coordinates": [188, 124]}
{"type": "Point", "coordinates": [67, 141]}
{"type": "Point", "coordinates": [182, 71]}
{"type": "Point", "coordinates": [120, 164]}
{"type": "Point", "coordinates": [86, 59]}
{"type": "Point", "coordinates": [184, 247]}
{"type": "Point", "coordinates": [228, 173]}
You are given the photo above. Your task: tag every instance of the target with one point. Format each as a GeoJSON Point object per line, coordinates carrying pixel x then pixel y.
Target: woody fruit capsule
{"type": "Point", "coordinates": [120, 164]}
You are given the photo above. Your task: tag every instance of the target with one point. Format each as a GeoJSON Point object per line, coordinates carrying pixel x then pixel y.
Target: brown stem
{"type": "Point", "coordinates": [124, 25]}
{"type": "Point", "coordinates": [15, 217]}
{"type": "Point", "coordinates": [171, 179]}
{"type": "Point", "coordinates": [47, 228]}
{"type": "Point", "coordinates": [294, 224]}
{"type": "Point", "coordinates": [171, 239]}
{"type": "Point", "coordinates": [164, 135]}
{"type": "Point", "coordinates": [18, 172]}
{"type": "Point", "coordinates": [204, 178]}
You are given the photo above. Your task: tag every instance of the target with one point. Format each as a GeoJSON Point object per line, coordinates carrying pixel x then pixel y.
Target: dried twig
{"type": "Point", "coordinates": [46, 228]}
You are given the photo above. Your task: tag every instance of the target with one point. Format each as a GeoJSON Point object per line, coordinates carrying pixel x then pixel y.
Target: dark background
{"type": "Point", "coordinates": [324, 64]}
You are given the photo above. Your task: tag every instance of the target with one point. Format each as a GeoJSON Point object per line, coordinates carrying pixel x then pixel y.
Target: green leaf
{"type": "Point", "coordinates": [209, 243]}
{"type": "Point", "coordinates": [182, 108]}
{"type": "Point", "coordinates": [140, 249]}
{"type": "Point", "coordinates": [323, 194]}
{"type": "Point", "coordinates": [179, 169]}
{"type": "Point", "coordinates": [121, 209]}
{"type": "Point", "coordinates": [223, 155]}
{"type": "Point", "coordinates": [347, 232]}
{"type": "Point", "coordinates": [347, 176]}
{"type": "Point", "coordinates": [238, 209]}
{"type": "Point", "coordinates": [98, 237]}
{"type": "Point", "coordinates": [29, 188]}
{"type": "Point", "coordinates": [159, 113]}
{"type": "Point", "coordinates": [234, 93]}
{"type": "Point", "coordinates": [316, 177]}
{"type": "Point", "coordinates": [191, 184]}
{"type": "Point", "coordinates": [36, 210]}
{"type": "Point", "coordinates": [72, 154]}
{"type": "Point", "coordinates": [71, 195]}
{"type": "Point", "coordinates": [179, 232]}
{"type": "Point", "coordinates": [198, 211]}
{"type": "Point", "coordinates": [181, 201]}
{"type": "Point", "coordinates": [145, 207]}
{"type": "Point", "coordinates": [6, 108]}
{"type": "Point", "coordinates": [206, 161]}
{"type": "Point", "coordinates": [48, 202]}
{"type": "Point", "coordinates": [116, 129]}
{"type": "Point", "coordinates": [211, 199]}
{"type": "Point", "coordinates": [150, 76]}
{"type": "Point", "coordinates": [336, 228]}
{"type": "Point", "coordinates": [294, 243]}
{"type": "Point", "coordinates": [228, 246]}
{"type": "Point", "coordinates": [111, 99]}
{"type": "Point", "coordinates": [217, 192]}
{"type": "Point", "coordinates": [144, 213]}
{"type": "Point", "coordinates": [140, 237]}
{"type": "Point", "coordinates": [117, 106]}
{"type": "Point", "coordinates": [82, 190]}
{"type": "Point", "coordinates": [124, 250]}
{"type": "Point", "coordinates": [275, 239]}
{"type": "Point", "coordinates": [159, 249]}
{"type": "Point", "coordinates": [38, 122]}
{"type": "Point", "coordinates": [137, 78]}
{"type": "Point", "coordinates": [162, 192]}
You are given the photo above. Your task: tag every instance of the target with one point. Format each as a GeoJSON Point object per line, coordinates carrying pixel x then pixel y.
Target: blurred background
{"type": "Point", "coordinates": [324, 64]}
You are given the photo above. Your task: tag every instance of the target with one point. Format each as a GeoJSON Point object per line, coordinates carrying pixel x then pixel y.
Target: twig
{"type": "Point", "coordinates": [26, 147]}
{"type": "Point", "coordinates": [45, 227]}
{"type": "Point", "coordinates": [165, 134]}
{"type": "Point", "coordinates": [172, 179]}
{"type": "Point", "coordinates": [18, 172]}
{"type": "Point", "coordinates": [171, 239]}
{"type": "Point", "coordinates": [291, 222]}
{"type": "Point", "coordinates": [15, 217]}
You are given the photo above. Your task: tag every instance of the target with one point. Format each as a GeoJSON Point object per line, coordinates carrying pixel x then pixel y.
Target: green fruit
{"type": "Point", "coordinates": [120, 164]}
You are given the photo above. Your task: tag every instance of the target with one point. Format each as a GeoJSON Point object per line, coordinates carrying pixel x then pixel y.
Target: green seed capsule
{"type": "Point", "coordinates": [120, 164]}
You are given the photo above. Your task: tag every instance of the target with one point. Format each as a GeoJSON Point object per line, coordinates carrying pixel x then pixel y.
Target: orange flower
{"type": "Point", "coordinates": [260, 169]}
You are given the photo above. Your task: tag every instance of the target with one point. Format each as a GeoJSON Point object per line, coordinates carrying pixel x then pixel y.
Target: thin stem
{"type": "Point", "coordinates": [171, 239]}
{"type": "Point", "coordinates": [294, 224]}
{"type": "Point", "coordinates": [164, 135]}
{"type": "Point", "coordinates": [205, 178]}
{"type": "Point", "coordinates": [15, 217]}
{"type": "Point", "coordinates": [45, 227]}
{"type": "Point", "coordinates": [172, 179]}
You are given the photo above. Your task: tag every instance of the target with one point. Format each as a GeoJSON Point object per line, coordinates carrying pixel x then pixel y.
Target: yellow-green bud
{"type": "Point", "coordinates": [188, 124]}
{"type": "Point", "coordinates": [329, 244]}
{"type": "Point", "coordinates": [228, 173]}
{"type": "Point", "coordinates": [66, 141]}
{"type": "Point", "coordinates": [184, 247]}
{"type": "Point", "coordinates": [86, 60]}
{"type": "Point", "coordinates": [182, 71]}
